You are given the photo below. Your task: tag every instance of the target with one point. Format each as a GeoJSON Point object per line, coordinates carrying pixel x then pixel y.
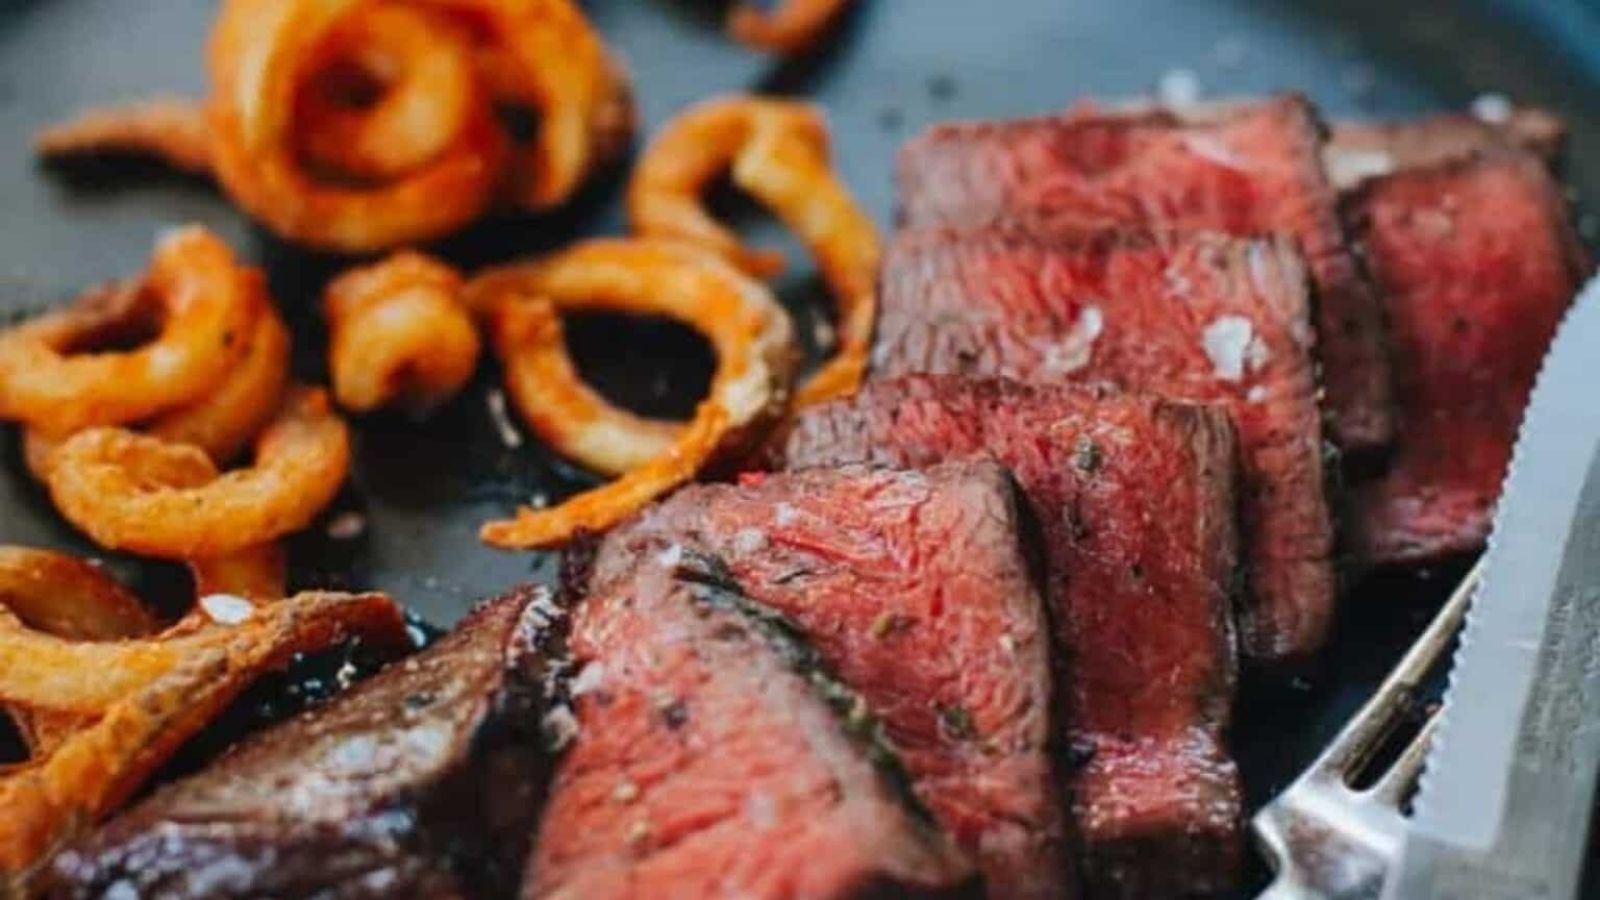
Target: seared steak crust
{"type": "Point", "coordinates": [424, 780]}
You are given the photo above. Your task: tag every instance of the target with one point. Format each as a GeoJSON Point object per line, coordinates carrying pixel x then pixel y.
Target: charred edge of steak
{"type": "Point", "coordinates": [714, 585]}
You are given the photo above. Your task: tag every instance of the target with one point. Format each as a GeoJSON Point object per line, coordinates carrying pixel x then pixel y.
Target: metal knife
{"type": "Point", "coordinates": [1503, 806]}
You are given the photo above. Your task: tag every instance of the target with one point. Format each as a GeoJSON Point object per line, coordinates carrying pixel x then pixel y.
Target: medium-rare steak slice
{"type": "Point", "coordinates": [1198, 317]}
{"type": "Point", "coordinates": [1242, 168]}
{"type": "Point", "coordinates": [1477, 262]}
{"type": "Point", "coordinates": [1357, 151]}
{"type": "Point", "coordinates": [423, 781]}
{"type": "Point", "coordinates": [914, 589]}
{"type": "Point", "coordinates": [1135, 499]}
{"type": "Point", "coordinates": [717, 757]}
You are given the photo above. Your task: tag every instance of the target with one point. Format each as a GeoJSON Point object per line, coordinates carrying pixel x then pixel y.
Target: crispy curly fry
{"type": "Point", "coordinates": [223, 423]}
{"type": "Point", "coordinates": [209, 303]}
{"type": "Point", "coordinates": [750, 332]}
{"type": "Point", "coordinates": [559, 406]}
{"type": "Point", "coordinates": [399, 334]}
{"type": "Point", "coordinates": [138, 493]}
{"type": "Point", "coordinates": [791, 28]}
{"type": "Point", "coordinates": [258, 574]}
{"type": "Point", "coordinates": [153, 709]}
{"type": "Point", "coordinates": [171, 129]}
{"type": "Point", "coordinates": [777, 151]}
{"type": "Point", "coordinates": [358, 125]}
{"type": "Point", "coordinates": [65, 596]}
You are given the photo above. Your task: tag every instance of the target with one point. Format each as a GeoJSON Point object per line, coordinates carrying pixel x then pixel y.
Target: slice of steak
{"type": "Point", "coordinates": [1197, 317]}
{"type": "Point", "coordinates": [1478, 263]}
{"type": "Point", "coordinates": [1357, 151]}
{"type": "Point", "coordinates": [424, 780]}
{"type": "Point", "coordinates": [914, 588]}
{"type": "Point", "coordinates": [1242, 168]}
{"type": "Point", "coordinates": [1134, 496]}
{"type": "Point", "coordinates": [717, 757]}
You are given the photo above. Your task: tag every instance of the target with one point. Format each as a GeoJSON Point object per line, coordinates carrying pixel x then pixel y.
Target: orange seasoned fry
{"type": "Point", "coordinates": [67, 597]}
{"type": "Point", "coordinates": [208, 302]}
{"type": "Point", "coordinates": [358, 125]}
{"type": "Point", "coordinates": [749, 331]}
{"type": "Point", "coordinates": [777, 151]}
{"type": "Point", "coordinates": [399, 335]}
{"type": "Point", "coordinates": [146, 709]}
{"type": "Point", "coordinates": [171, 129]}
{"type": "Point", "coordinates": [258, 574]}
{"type": "Point", "coordinates": [791, 28]}
{"type": "Point", "coordinates": [138, 493]}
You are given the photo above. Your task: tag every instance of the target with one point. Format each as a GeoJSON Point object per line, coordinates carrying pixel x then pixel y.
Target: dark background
{"type": "Point", "coordinates": [893, 66]}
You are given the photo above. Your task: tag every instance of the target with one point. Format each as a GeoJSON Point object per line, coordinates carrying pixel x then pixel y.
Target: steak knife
{"type": "Point", "coordinates": [1503, 807]}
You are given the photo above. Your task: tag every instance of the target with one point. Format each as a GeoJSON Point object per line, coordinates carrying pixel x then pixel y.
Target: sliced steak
{"type": "Point", "coordinates": [1357, 151]}
{"type": "Point", "coordinates": [1477, 262]}
{"type": "Point", "coordinates": [1135, 499]}
{"type": "Point", "coordinates": [424, 780]}
{"type": "Point", "coordinates": [1197, 317]}
{"type": "Point", "coordinates": [1241, 168]}
{"type": "Point", "coordinates": [915, 590]}
{"type": "Point", "coordinates": [717, 757]}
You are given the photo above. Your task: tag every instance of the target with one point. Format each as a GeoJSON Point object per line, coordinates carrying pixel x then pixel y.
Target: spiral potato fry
{"type": "Point", "coordinates": [171, 129]}
{"type": "Point", "coordinates": [138, 493]}
{"type": "Point", "coordinates": [750, 332]}
{"type": "Point", "coordinates": [399, 334]}
{"type": "Point", "coordinates": [357, 125]}
{"type": "Point", "coordinates": [791, 28]}
{"type": "Point", "coordinates": [777, 151]}
{"type": "Point", "coordinates": [146, 697]}
{"type": "Point", "coordinates": [209, 302]}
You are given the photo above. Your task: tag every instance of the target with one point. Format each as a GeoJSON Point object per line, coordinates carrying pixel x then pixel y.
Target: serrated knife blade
{"type": "Point", "coordinates": [1504, 803]}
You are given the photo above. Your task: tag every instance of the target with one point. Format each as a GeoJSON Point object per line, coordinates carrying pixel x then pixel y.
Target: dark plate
{"type": "Point", "coordinates": [894, 65]}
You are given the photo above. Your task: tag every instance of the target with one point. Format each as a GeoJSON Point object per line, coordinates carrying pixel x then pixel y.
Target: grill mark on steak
{"type": "Point", "coordinates": [717, 756]}
{"type": "Point", "coordinates": [1478, 262]}
{"type": "Point", "coordinates": [1246, 169]}
{"type": "Point", "coordinates": [1118, 483]}
{"type": "Point", "coordinates": [1196, 317]}
{"type": "Point", "coordinates": [913, 588]}
{"type": "Point", "coordinates": [424, 780]}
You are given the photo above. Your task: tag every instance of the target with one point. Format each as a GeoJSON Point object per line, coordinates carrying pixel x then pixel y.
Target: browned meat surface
{"type": "Point", "coordinates": [717, 757]}
{"type": "Point", "coordinates": [1135, 499]}
{"type": "Point", "coordinates": [1477, 262]}
{"type": "Point", "coordinates": [914, 589]}
{"type": "Point", "coordinates": [1242, 168]}
{"type": "Point", "coordinates": [423, 781]}
{"type": "Point", "coordinates": [1196, 317]}
{"type": "Point", "coordinates": [1357, 151]}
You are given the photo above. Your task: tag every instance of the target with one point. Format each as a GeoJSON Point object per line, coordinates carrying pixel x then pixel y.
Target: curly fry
{"type": "Point", "coordinates": [750, 332]}
{"type": "Point", "coordinates": [138, 493]}
{"type": "Point", "coordinates": [361, 125]}
{"type": "Point", "coordinates": [65, 596]}
{"type": "Point", "coordinates": [153, 709]}
{"type": "Point", "coordinates": [258, 574]}
{"type": "Point", "coordinates": [778, 153]}
{"type": "Point", "coordinates": [791, 28]}
{"type": "Point", "coordinates": [398, 333]}
{"type": "Point", "coordinates": [171, 129]}
{"type": "Point", "coordinates": [209, 302]}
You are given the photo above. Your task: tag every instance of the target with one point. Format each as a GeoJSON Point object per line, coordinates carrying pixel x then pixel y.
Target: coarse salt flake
{"type": "Point", "coordinates": [1492, 108]}
{"type": "Point", "coordinates": [1228, 342]}
{"type": "Point", "coordinates": [1178, 87]}
{"type": "Point", "coordinates": [1075, 349]}
{"type": "Point", "coordinates": [227, 609]}
{"type": "Point", "coordinates": [347, 526]}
